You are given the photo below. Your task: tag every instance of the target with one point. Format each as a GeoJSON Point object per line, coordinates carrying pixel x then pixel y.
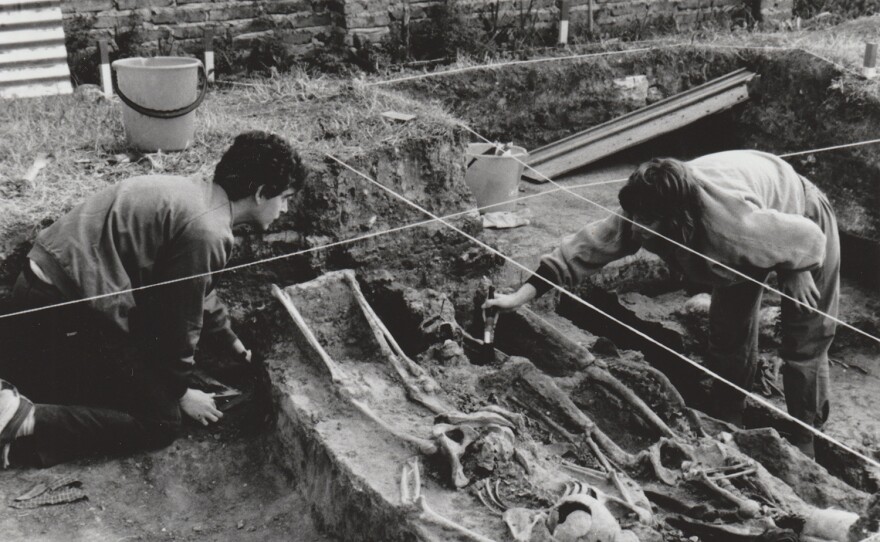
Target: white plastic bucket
{"type": "Point", "coordinates": [492, 178]}
{"type": "Point", "coordinates": [159, 97]}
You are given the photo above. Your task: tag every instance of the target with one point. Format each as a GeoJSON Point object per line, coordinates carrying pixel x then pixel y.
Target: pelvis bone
{"type": "Point", "coordinates": [487, 432]}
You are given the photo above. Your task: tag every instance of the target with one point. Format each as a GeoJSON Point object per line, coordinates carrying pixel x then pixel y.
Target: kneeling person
{"type": "Point", "coordinates": [110, 373]}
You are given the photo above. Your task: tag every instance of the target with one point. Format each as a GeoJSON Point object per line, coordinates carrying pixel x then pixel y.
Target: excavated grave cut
{"type": "Point", "coordinates": [349, 465]}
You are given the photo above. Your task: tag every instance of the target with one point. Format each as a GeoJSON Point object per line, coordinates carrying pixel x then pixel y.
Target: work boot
{"type": "Point", "coordinates": [14, 411]}
{"type": "Point", "coordinates": [803, 441]}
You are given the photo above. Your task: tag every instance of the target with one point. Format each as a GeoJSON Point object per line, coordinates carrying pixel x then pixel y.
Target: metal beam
{"type": "Point", "coordinates": [585, 147]}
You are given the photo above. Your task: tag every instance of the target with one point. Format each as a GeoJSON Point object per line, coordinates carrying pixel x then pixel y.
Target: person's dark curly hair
{"type": "Point", "coordinates": [259, 159]}
{"type": "Point", "coordinates": [664, 189]}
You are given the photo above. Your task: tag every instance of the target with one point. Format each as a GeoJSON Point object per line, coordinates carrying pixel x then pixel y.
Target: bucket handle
{"type": "Point", "coordinates": [159, 113]}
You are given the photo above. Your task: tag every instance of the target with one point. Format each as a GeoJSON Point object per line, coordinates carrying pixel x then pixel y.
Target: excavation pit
{"type": "Point", "coordinates": [343, 471]}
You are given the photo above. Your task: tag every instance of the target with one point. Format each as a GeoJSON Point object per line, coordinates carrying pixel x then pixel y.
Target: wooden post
{"type": "Point", "coordinates": [590, 17]}
{"type": "Point", "coordinates": [106, 82]}
{"type": "Point", "coordinates": [870, 67]}
{"type": "Point", "coordinates": [209, 54]}
{"type": "Point", "coordinates": [563, 22]}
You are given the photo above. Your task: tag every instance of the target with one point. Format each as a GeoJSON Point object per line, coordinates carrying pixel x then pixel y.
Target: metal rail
{"type": "Point", "coordinates": [638, 126]}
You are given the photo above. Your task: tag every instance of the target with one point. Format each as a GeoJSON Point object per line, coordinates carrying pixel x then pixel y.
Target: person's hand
{"type": "Point", "coordinates": [511, 302]}
{"type": "Point", "coordinates": [801, 286]}
{"type": "Point", "coordinates": [240, 351]}
{"type": "Point", "coordinates": [200, 406]}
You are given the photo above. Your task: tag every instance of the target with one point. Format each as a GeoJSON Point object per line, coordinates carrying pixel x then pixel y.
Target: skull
{"type": "Point", "coordinates": [582, 518]}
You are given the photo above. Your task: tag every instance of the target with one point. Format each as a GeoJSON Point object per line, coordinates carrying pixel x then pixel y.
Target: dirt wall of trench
{"type": "Point", "coordinates": [798, 102]}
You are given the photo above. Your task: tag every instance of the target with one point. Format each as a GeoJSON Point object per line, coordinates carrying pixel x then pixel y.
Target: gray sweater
{"type": "Point", "coordinates": [140, 232]}
{"type": "Point", "coordinates": [752, 219]}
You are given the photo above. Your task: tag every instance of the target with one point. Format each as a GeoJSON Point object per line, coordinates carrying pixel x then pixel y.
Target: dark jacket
{"type": "Point", "coordinates": [140, 232]}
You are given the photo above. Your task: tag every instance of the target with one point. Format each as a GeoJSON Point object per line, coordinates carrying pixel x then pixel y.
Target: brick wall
{"type": "Point", "coordinates": [174, 26]}
{"type": "Point", "coordinates": [372, 18]}
{"type": "Point", "coordinates": [181, 24]}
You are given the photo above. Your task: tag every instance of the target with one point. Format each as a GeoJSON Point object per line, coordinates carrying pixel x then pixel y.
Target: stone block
{"type": "Point", "coordinates": [368, 20]}
{"type": "Point", "coordinates": [305, 19]}
{"type": "Point", "coordinates": [189, 31]}
{"type": "Point", "coordinates": [177, 15]}
{"type": "Point", "coordinates": [136, 4]}
{"type": "Point", "coordinates": [86, 6]}
{"type": "Point", "coordinates": [236, 11]}
{"type": "Point", "coordinates": [122, 20]}
{"type": "Point", "coordinates": [288, 6]}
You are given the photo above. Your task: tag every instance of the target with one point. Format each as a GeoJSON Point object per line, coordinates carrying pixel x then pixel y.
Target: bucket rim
{"type": "Point", "coordinates": [140, 62]}
{"type": "Point", "coordinates": [517, 151]}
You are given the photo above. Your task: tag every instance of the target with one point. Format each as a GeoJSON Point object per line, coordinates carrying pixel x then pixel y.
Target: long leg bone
{"type": "Point", "coordinates": [410, 476]}
{"type": "Point", "coordinates": [425, 446]}
{"type": "Point", "coordinates": [419, 385]}
{"type": "Point", "coordinates": [335, 373]}
{"type": "Point", "coordinates": [338, 377]}
{"type": "Point", "coordinates": [747, 508]}
{"type": "Point", "coordinates": [631, 399]}
{"type": "Point", "coordinates": [481, 418]}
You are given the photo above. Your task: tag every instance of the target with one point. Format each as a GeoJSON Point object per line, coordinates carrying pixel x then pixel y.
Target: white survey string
{"type": "Point", "coordinates": [301, 252]}
{"type": "Point", "coordinates": [577, 299]}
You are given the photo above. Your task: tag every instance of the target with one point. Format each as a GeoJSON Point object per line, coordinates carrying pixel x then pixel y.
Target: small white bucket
{"type": "Point", "coordinates": [494, 179]}
{"type": "Point", "coordinates": [159, 97]}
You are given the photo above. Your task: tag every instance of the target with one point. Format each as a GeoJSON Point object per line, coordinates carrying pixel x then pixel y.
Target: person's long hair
{"type": "Point", "coordinates": [664, 189]}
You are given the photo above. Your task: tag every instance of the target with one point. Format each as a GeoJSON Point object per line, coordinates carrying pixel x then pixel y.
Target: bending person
{"type": "Point", "coordinates": [111, 374]}
{"type": "Point", "coordinates": [747, 210]}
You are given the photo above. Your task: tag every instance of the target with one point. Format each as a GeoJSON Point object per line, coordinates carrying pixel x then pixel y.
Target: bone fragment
{"type": "Point", "coordinates": [428, 514]}
{"type": "Point", "coordinates": [665, 475]}
{"type": "Point", "coordinates": [522, 522]}
{"type": "Point", "coordinates": [747, 508]}
{"type": "Point", "coordinates": [454, 450]}
{"type": "Point", "coordinates": [481, 418]}
{"type": "Point", "coordinates": [522, 460]}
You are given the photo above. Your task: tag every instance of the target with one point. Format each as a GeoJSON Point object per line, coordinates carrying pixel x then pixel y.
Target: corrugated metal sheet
{"type": "Point", "coordinates": [33, 59]}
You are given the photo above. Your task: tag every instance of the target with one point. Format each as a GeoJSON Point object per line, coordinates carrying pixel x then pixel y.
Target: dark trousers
{"type": "Point", "coordinates": [94, 389]}
{"type": "Point", "coordinates": [806, 337]}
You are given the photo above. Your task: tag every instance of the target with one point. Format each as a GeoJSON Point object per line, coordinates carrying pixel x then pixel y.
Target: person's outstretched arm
{"type": "Point", "coordinates": [580, 255]}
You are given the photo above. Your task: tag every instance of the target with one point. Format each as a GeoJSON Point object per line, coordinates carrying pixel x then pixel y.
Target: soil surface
{"type": "Point", "coordinates": [219, 483]}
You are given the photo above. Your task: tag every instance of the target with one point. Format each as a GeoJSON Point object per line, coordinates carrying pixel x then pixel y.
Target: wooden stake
{"type": "Point", "coordinates": [106, 82]}
{"type": "Point", "coordinates": [209, 54]}
{"type": "Point", "coordinates": [590, 16]}
{"type": "Point", "coordinates": [870, 67]}
{"type": "Point", "coordinates": [563, 22]}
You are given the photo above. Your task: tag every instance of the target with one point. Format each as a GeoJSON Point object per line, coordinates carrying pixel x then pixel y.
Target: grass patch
{"type": "Point", "coordinates": [316, 113]}
{"type": "Point", "coordinates": [87, 141]}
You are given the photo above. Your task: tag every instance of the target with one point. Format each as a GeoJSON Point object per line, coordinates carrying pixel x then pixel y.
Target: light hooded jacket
{"type": "Point", "coordinates": [139, 232]}
{"type": "Point", "coordinates": [752, 220]}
